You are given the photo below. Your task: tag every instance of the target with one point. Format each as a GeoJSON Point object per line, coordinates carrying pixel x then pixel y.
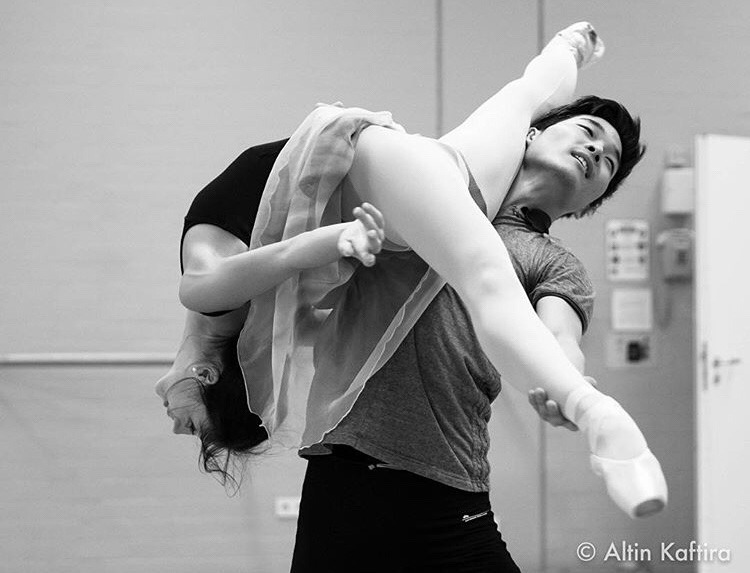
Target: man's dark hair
{"type": "Point", "coordinates": [627, 126]}
{"type": "Point", "coordinates": [233, 433]}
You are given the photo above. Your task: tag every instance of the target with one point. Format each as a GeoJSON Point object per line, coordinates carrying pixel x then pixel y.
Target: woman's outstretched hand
{"type": "Point", "coordinates": [363, 237]}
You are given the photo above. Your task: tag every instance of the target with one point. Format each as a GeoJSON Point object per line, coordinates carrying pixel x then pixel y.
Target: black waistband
{"type": "Point", "coordinates": [351, 454]}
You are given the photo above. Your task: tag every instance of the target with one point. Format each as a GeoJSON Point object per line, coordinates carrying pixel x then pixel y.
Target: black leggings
{"type": "Point", "coordinates": [357, 518]}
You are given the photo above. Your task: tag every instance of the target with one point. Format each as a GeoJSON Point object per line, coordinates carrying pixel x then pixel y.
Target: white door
{"type": "Point", "coordinates": [723, 350]}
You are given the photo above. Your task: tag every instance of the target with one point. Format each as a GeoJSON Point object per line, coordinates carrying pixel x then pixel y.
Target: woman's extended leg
{"type": "Point", "coordinates": [492, 137]}
{"type": "Point", "coordinates": [421, 192]}
{"type": "Point", "coordinates": [423, 196]}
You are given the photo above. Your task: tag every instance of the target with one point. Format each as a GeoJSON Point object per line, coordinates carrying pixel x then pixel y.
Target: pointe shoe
{"type": "Point", "coordinates": [584, 42]}
{"type": "Point", "coordinates": [632, 474]}
{"type": "Point", "coordinates": [636, 485]}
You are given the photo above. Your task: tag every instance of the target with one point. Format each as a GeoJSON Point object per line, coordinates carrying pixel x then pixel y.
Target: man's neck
{"type": "Point", "coordinates": [530, 191]}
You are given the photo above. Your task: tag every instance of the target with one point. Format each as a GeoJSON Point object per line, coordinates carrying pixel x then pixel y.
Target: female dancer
{"type": "Point", "coordinates": [417, 183]}
{"type": "Point", "coordinates": [203, 390]}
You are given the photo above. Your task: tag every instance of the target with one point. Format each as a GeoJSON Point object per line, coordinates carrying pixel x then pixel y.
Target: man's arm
{"type": "Point", "coordinates": [560, 318]}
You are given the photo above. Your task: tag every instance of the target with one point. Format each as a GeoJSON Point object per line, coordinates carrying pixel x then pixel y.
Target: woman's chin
{"type": "Point", "coordinates": [163, 385]}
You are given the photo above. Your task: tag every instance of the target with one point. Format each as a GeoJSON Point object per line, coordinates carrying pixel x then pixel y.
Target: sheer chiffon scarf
{"type": "Point", "coordinates": [302, 376]}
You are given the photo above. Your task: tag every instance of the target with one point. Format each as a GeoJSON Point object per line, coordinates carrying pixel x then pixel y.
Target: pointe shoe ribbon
{"type": "Point", "coordinates": [636, 485]}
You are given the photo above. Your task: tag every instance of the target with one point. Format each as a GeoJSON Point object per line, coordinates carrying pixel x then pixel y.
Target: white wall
{"type": "Point", "coordinates": [116, 114]}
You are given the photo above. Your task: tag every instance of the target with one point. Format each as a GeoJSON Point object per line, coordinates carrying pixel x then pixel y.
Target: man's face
{"type": "Point", "coordinates": [576, 159]}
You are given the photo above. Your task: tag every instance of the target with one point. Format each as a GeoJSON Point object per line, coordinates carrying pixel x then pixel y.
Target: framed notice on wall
{"type": "Point", "coordinates": [627, 249]}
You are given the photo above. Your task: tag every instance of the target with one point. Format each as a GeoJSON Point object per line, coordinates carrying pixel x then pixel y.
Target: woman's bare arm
{"type": "Point", "coordinates": [221, 274]}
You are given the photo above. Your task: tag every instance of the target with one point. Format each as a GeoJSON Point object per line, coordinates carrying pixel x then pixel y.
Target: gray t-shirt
{"type": "Point", "coordinates": [426, 410]}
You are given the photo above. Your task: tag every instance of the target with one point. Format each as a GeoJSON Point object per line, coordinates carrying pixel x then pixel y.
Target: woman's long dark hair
{"type": "Point", "coordinates": [233, 433]}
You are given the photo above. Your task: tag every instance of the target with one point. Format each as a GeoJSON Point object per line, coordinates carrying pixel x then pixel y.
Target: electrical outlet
{"type": "Point", "coordinates": [286, 507]}
{"type": "Point", "coordinates": [626, 350]}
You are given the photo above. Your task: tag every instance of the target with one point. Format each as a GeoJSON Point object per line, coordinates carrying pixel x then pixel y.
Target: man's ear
{"type": "Point", "coordinates": [206, 373]}
{"type": "Point", "coordinates": [531, 135]}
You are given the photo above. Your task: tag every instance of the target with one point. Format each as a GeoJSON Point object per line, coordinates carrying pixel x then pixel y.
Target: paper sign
{"type": "Point", "coordinates": [632, 310]}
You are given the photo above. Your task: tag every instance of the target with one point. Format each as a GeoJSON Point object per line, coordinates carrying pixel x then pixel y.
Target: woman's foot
{"type": "Point", "coordinates": [583, 41]}
{"type": "Point", "coordinates": [636, 485]}
{"type": "Point", "coordinates": [620, 455]}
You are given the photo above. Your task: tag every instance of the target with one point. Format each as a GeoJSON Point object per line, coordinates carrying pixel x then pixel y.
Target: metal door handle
{"type": "Point", "coordinates": [729, 362]}
{"type": "Point", "coordinates": [718, 363]}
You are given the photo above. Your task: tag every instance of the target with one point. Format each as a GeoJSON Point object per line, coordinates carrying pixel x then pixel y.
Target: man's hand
{"type": "Point", "coordinates": [549, 410]}
{"type": "Point", "coordinates": [363, 237]}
